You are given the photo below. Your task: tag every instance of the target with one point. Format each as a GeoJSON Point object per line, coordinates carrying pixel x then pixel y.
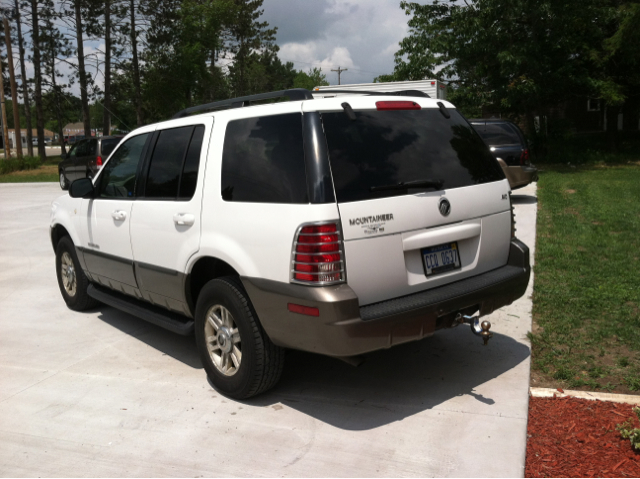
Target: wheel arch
{"type": "Point", "coordinates": [203, 270]}
{"type": "Point", "coordinates": [57, 233]}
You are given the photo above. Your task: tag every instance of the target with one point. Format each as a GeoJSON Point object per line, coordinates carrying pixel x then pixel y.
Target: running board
{"type": "Point", "coordinates": [174, 322]}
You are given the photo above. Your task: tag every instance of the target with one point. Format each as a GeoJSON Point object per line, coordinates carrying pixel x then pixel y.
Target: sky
{"type": "Point", "coordinates": [360, 35]}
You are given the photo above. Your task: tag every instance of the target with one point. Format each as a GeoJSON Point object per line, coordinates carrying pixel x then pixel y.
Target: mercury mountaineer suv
{"type": "Point", "coordinates": [337, 226]}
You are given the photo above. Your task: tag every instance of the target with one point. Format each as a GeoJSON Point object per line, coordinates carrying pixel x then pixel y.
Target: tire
{"type": "Point", "coordinates": [64, 183]}
{"type": "Point", "coordinates": [71, 279]}
{"type": "Point", "coordinates": [259, 364]}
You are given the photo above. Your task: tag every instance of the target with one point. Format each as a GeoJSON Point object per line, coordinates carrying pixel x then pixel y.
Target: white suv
{"type": "Point", "coordinates": [338, 226]}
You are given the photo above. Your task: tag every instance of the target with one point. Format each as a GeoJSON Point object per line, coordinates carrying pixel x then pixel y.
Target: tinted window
{"type": "Point", "coordinates": [82, 148]}
{"type": "Point", "coordinates": [166, 162]}
{"type": "Point", "coordinates": [73, 151]}
{"type": "Point", "coordinates": [383, 148]}
{"type": "Point", "coordinates": [118, 178]}
{"type": "Point", "coordinates": [109, 145]}
{"type": "Point", "coordinates": [263, 160]}
{"type": "Point", "coordinates": [191, 162]}
{"type": "Point", "coordinates": [91, 147]}
{"type": "Point", "coordinates": [499, 134]}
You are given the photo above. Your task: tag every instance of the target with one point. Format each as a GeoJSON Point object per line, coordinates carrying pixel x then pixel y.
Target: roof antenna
{"type": "Point", "coordinates": [349, 111]}
{"type": "Point", "coordinates": [443, 110]}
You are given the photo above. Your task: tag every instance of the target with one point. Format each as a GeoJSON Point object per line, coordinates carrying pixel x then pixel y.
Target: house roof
{"type": "Point", "coordinates": [73, 128]}
{"type": "Point", "coordinates": [34, 132]}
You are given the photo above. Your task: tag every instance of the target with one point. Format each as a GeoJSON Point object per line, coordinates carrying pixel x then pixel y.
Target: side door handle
{"type": "Point", "coordinates": [184, 219]}
{"type": "Point", "coordinates": [119, 215]}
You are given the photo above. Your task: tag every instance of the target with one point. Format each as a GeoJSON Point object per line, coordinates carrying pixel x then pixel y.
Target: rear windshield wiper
{"type": "Point", "coordinates": [405, 185]}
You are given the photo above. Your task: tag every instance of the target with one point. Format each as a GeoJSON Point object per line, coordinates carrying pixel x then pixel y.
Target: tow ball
{"type": "Point", "coordinates": [478, 328]}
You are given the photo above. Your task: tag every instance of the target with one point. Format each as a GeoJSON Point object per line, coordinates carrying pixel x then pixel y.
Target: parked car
{"type": "Point", "coordinates": [338, 226]}
{"type": "Point", "coordinates": [85, 158]}
{"type": "Point", "coordinates": [509, 146]}
{"type": "Point", "coordinates": [47, 141]}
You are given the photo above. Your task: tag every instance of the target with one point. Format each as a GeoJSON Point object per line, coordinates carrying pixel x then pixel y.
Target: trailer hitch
{"type": "Point", "coordinates": [478, 328]}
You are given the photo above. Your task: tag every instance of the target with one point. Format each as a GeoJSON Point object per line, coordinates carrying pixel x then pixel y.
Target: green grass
{"type": "Point", "coordinates": [586, 302]}
{"type": "Point", "coordinates": [591, 148]}
{"type": "Point", "coordinates": [30, 169]}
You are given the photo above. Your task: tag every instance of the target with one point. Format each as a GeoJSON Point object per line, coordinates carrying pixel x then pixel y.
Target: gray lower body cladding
{"type": "Point", "coordinates": [343, 328]}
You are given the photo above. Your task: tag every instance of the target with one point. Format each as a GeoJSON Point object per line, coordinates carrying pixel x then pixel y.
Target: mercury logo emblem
{"type": "Point", "coordinates": [444, 207]}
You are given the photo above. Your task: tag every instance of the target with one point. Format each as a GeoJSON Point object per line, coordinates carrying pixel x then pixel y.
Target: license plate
{"type": "Point", "coordinates": [441, 258]}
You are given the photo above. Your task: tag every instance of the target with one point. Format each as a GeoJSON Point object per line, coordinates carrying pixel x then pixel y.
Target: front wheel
{"type": "Point", "coordinates": [64, 184]}
{"type": "Point", "coordinates": [238, 356]}
{"type": "Point", "coordinates": [71, 279]}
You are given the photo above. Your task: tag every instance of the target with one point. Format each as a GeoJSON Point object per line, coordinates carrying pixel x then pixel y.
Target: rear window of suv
{"type": "Point", "coordinates": [109, 145]}
{"type": "Point", "coordinates": [498, 134]}
{"type": "Point", "coordinates": [381, 148]}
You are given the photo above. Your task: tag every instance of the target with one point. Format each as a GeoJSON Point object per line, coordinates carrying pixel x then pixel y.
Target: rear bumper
{"type": "Point", "coordinates": [343, 328]}
{"type": "Point", "coordinates": [520, 176]}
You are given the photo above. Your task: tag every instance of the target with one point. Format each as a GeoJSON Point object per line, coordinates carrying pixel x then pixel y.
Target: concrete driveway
{"type": "Point", "coordinates": [103, 393]}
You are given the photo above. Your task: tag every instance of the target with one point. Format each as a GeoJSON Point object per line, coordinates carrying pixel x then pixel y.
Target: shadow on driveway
{"type": "Point", "coordinates": [517, 199]}
{"type": "Point", "coordinates": [182, 348]}
{"type": "Point", "coordinates": [391, 385]}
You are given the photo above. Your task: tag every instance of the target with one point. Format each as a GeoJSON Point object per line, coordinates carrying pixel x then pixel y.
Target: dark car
{"type": "Point", "coordinates": [85, 158]}
{"type": "Point", "coordinates": [509, 146]}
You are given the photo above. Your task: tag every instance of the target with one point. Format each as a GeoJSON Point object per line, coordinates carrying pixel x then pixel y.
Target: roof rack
{"type": "Point", "coordinates": [376, 93]}
{"type": "Point", "coordinates": [294, 94]}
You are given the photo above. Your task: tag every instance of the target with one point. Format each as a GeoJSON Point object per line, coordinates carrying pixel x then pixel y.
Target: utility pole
{"type": "Point", "coordinates": [5, 130]}
{"type": "Point", "coordinates": [14, 89]}
{"type": "Point", "coordinates": [339, 70]}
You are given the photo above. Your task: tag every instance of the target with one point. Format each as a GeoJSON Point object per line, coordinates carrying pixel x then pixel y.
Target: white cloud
{"type": "Point", "coordinates": [357, 34]}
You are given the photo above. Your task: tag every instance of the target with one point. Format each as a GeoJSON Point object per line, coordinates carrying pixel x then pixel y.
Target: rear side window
{"type": "Point", "coordinates": [499, 134]}
{"type": "Point", "coordinates": [383, 148]}
{"type": "Point", "coordinates": [108, 146]}
{"type": "Point", "coordinates": [173, 169]}
{"type": "Point", "coordinates": [263, 160]}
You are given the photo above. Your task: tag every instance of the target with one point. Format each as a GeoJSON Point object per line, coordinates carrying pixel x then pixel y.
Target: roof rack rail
{"type": "Point", "coordinates": [376, 93]}
{"type": "Point", "coordinates": [294, 94]}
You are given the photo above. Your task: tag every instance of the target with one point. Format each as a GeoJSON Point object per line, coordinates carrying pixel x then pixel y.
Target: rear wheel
{"type": "Point", "coordinates": [238, 356]}
{"type": "Point", "coordinates": [71, 279]}
{"type": "Point", "coordinates": [64, 183]}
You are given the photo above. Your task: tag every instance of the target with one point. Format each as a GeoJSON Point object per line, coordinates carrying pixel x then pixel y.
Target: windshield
{"type": "Point", "coordinates": [383, 148]}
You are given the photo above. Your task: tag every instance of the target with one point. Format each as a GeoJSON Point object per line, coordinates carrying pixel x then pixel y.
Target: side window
{"type": "Point", "coordinates": [191, 163]}
{"type": "Point", "coordinates": [91, 148]}
{"type": "Point", "coordinates": [263, 160]}
{"type": "Point", "coordinates": [73, 151]}
{"type": "Point", "coordinates": [170, 155]}
{"type": "Point", "coordinates": [118, 178]}
{"type": "Point", "coordinates": [84, 148]}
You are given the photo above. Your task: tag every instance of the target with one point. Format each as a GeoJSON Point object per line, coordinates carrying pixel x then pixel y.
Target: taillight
{"type": "Point", "coordinates": [524, 157]}
{"type": "Point", "coordinates": [99, 161]}
{"type": "Point", "coordinates": [397, 105]}
{"type": "Point", "coordinates": [317, 255]}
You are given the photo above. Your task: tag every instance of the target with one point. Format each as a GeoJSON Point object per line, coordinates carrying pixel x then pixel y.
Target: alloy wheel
{"type": "Point", "coordinates": [68, 274]}
{"type": "Point", "coordinates": [223, 340]}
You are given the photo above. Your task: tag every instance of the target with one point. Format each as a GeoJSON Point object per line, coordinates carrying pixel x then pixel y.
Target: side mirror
{"type": "Point", "coordinates": [82, 188]}
{"type": "Point", "coordinates": [63, 156]}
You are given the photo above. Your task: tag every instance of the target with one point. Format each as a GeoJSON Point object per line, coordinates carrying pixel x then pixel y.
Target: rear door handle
{"type": "Point", "coordinates": [184, 219]}
{"type": "Point", "coordinates": [119, 215]}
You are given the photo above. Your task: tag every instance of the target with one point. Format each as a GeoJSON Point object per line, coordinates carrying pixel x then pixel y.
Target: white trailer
{"type": "Point", "coordinates": [433, 88]}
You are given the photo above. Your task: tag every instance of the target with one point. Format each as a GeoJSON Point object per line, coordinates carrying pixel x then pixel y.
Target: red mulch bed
{"type": "Point", "coordinates": [571, 437]}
